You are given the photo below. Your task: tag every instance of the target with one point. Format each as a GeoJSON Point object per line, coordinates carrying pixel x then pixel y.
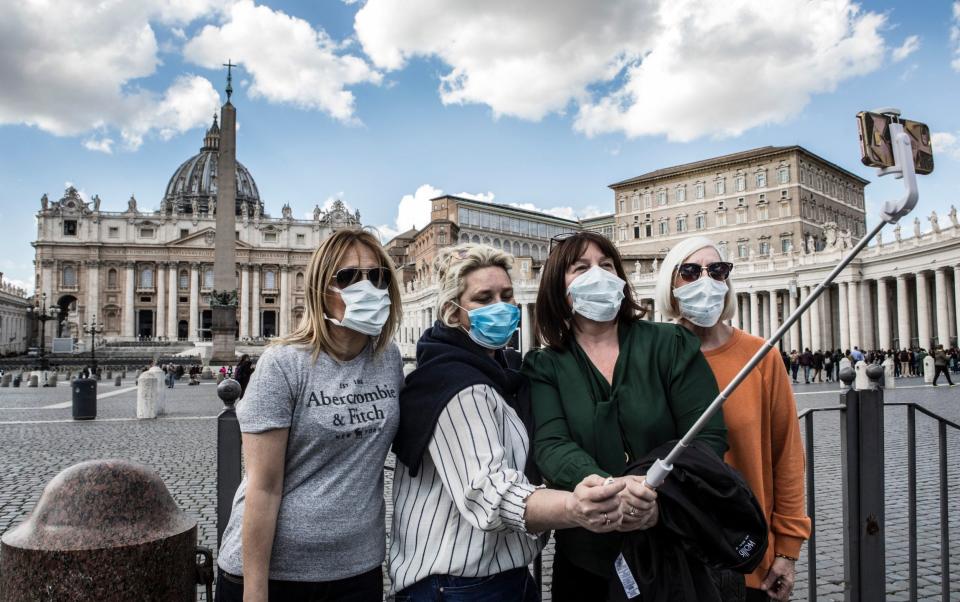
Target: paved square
{"type": "Point", "coordinates": [39, 439]}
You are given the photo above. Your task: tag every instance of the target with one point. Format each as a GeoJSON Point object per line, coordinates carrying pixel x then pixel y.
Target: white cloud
{"type": "Point", "coordinates": [680, 68]}
{"type": "Point", "coordinates": [955, 36]}
{"type": "Point", "coordinates": [946, 144]}
{"type": "Point", "coordinates": [909, 46]}
{"type": "Point", "coordinates": [101, 145]}
{"type": "Point", "coordinates": [287, 59]}
{"type": "Point", "coordinates": [69, 68]}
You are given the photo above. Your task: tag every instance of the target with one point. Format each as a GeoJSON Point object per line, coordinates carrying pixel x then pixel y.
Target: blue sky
{"type": "Point", "coordinates": [384, 104]}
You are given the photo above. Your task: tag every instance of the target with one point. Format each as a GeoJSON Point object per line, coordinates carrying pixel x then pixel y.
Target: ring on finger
{"type": "Point", "coordinates": [632, 511]}
{"type": "Point", "coordinates": [606, 519]}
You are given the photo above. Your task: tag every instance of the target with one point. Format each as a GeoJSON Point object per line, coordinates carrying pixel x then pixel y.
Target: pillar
{"type": "Point", "coordinates": [844, 297]}
{"type": "Point", "coordinates": [923, 312]}
{"type": "Point", "coordinates": [816, 340]}
{"type": "Point", "coordinates": [255, 302]}
{"type": "Point", "coordinates": [754, 314]}
{"type": "Point", "coordinates": [192, 325]}
{"type": "Point", "coordinates": [866, 331]}
{"type": "Point", "coordinates": [795, 327]}
{"type": "Point", "coordinates": [161, 282]}
{"type": "Point", "coordinates": [956, 300]}
{"type": "Point", "coordinates": [903, 312]}
{"type": "Point", "coordinates": [284, 300]}
{"type": "Point", "coordinates": [774, 314]}
{"type": "Point", "coordinates": [804, 321]}
{"type": "Point", "coordinates": [172, 284]}
{"type": "Point", "coordinates": [244, 302]}
{"type": "Point", "coordinates": [765, 314]}
{"type": "Point", "coordinates": [854, 305]}
{"type": "Point", "coordinates": [129, 314]}
{"type": "Point", "coordinates": [93, 290]}
{"type": "Point", "coordinates": [735, 320]}
{"type": "Point", "coordinates": [883, 316]}
{"type": "Point", "coordinates": [942, 299]}
{"type": "Point", "coordinates": [526, 328]}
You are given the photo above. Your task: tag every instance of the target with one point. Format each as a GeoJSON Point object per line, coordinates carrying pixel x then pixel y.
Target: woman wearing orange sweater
{"type": "Point", "coordinates": [761, 416]}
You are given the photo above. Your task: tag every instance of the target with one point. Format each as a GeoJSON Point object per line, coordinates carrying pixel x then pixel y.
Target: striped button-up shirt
{"type": "Point", "coordinates": [463, 514]}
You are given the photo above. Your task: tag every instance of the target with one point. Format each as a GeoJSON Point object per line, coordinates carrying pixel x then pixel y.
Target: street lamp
{"type": "Point", "coordinates": [41, 314]}
{"type": "Point", "coordinates": [93, 328]}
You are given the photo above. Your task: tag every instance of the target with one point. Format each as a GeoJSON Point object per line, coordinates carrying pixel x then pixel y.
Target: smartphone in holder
{"type": "Point", "coordinates": [876, 149]}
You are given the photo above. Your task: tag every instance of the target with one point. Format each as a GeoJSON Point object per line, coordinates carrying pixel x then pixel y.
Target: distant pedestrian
{"type": "Point", "coordinates": [856, 355]}
{"type": "Point", "coordinates": [806, 361]}
{"type": "Point", "coordinates": [818, 366]}
{"type": "Point", "coordinates": [243, 372]}
{"type": "Point", "coordinates": [940, 365]}
{"type": "Point", "coordinates": [794, 364]}
{"type": "Point", "coordinates": [828, 365]}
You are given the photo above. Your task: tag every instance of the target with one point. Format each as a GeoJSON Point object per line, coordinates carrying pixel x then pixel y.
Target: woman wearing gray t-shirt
{"type": "Point", "coordinates": [317, 419]}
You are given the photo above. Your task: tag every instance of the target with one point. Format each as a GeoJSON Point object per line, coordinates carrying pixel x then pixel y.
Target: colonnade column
{"type": "Point", "coordinates": [161, 316]}
{"type": "Point", "coordinates": [816, 341]}
{"type": "Point", "coordinates": [795, 327]}
{"type": "Point", "coordinates": [942, 299]}
{"type": "Point", "coordinates": [735, 320]}
{"type": "Point", "coordinates": [172, 282]}
{"type": "Point", "coordinates": [903, 312]}
{"type": "Point", "coordinates": [774, 315]}
{"type": "Point", "coordinates": [883, 315]}
{"type": "Point", "coordinates": [804, 321]}
{"type": "Point", "coordinates": [129, 314]}
{"type": "Point", "coordinates": [93, 290]}
{"type": "Point", "coordinates": [923, 312]}
{"type": "Point", "coordinates": [526, 328]}
{"type": "Point", "coordinates": [956, 299]}
{"type": "Point", "coordinates": [192, 333]}
{"type": "Point", "coordinates": [844, 296]}
{"type": "Point", "coordinates": [244, 302]}
{"type": "Point", "coordinates": [866, 331]}
{"type": "Point", "coordinates": [255, 302]}
{"type": "Point", "coordinates": [754, 314]}
{"type": "Point", "coordinates": [853, 303]}
{"type": "Point", "coordinates": [284, 300]}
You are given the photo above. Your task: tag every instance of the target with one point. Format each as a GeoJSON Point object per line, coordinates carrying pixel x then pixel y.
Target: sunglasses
{"type": "Point", "coordinates": [557, 240]}
{"type": "Point", "coordinates": [718, 270]}
{"type": "Point", "coordinates": [379, 277]}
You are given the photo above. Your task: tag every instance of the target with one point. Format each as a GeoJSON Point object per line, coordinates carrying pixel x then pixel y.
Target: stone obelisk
{"type": "Point", "coordinates": [223, 302]}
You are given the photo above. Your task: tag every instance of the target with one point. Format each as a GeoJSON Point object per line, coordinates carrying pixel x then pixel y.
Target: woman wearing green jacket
{"type": "Point", "coordinates": [607, 389]}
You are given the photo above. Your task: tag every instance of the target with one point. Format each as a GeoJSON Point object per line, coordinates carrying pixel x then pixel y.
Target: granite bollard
{"type": "Point", "coordinates": [862, 382]}
{"type": "Point", "coordinates": [5, 380]}
{"type": "Point", "coordinates": [34, 380]}
{"type": "Point", "coordinates": [149, 393]}
{"type": "Point", "coordinates": [52, 380]}
{"type": "Point", "coordinates": [929, 368]}
{"type": "Point", "coordinates": [102, 530]}
{"type": "Point", "coordinates": [117, 382]}
{"type": "Point", "coordinates": [889, 373]}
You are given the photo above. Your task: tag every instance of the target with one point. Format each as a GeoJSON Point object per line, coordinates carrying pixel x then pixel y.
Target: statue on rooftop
{"type": "Point", "coordinates": [934, 222]}
{"type": "Point", "coordinates": [44, 202]}
{"type": "Point", "coordinates": [132, 204]}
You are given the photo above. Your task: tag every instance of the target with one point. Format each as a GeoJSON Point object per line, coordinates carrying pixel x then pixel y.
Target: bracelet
{"type": "Point", "coordinates": [785, 557]}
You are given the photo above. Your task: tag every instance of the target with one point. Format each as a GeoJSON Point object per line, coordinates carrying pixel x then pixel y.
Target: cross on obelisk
{"type": "Point", "coordinates": [223, 302]}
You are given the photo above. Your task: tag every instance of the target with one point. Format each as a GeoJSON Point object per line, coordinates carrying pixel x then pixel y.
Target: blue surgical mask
{"type": "Point", "coordinates": [491, 326]}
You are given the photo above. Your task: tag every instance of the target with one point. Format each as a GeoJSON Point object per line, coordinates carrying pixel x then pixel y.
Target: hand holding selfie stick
{"type": "Point", "coordinates": [892, 211]}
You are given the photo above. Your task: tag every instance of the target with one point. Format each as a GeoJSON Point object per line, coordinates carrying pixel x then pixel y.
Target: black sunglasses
{"type": "Point", "coordinates": [379, 277]}
{"type": "Point", "coordinates": [557, 240]}
{"type": "Point", "coordinates": [718, 270]}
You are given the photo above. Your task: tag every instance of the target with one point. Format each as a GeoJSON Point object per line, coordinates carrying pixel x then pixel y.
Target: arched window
{"type": "Point", "coordinates": [299, 281]}
{"type": "Point", "coordinates": [516, 249]}
{"type": "Point", "coordinates": [270, 280]}
{"type": "Point", "coordinates": [526, 249]}
{"type": "Point", "coordinates": [69, 275]}
{"type": "Point", "coordinates": [184, 280]}
{"type": "Point", "coordinates": [146, 277]}
{"type": "Point", "coordinates": [111, 278]}
{"type": "Point", "coordinates": [208, 278]}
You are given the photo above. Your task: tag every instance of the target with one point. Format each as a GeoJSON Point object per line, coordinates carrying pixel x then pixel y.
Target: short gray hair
{"type": "Point", "coordinates": [452, 267]}
{"type": "Point", "coordinates": [663, 297]}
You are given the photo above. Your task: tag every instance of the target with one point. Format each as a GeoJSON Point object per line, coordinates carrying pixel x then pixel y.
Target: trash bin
{"type": "Point", "coordinates": [84, 399]}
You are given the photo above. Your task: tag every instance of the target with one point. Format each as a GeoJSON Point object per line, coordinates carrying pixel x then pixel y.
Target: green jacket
{"type": "Point", "coordinates": [661, 385]}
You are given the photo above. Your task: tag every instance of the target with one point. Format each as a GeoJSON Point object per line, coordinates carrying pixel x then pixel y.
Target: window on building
{"type": "Point", "coordinates": [146, 232]}
{"type": "Point", "coordinates": [661, 197]}
{"type": "Point", "coordinates": [69, 227]}
{"type": "Point", "coordinates": [763, 212]}
{"type": "Point", "coordinates": [184, 232]}
{"type": "Point", "coordinates": [111, 278]}
{"type": "Point", "coordinates": [647, 200]}
{"type": "Point", "coordinates": [270, 280]}
{"type": "Point", "coordinates": [622, 206]}
{"type": "Point", "coordinates": [113, 232]}
{"type": "Point", "coordinates": [442, 238]}
{"type": "Point", "coordinates": [720, 186]}
{"type": "Point", "coordinates": [269, 237]}
{"type": "Point", "coordinates": [785, 209]}
{"type": "Point", "coordinates": [784, 174]}
{"type": "Point", "coordinates": [741, 215]}
{"type": "Point", "coordinates": [763, 197]}
{"type": "Point", "coordinates": [761, 179]}
{"type": "Point", "coordinates": [743, 250]}
{"type": "Point", "coordinates": [636, 203]}
{"type": "Point", "coordinates": [299, 281]}
{"type": "Point", "coordinates": [208, 278]}
{"type": "Point", "coordinates": [721, 218]}
{"type": "Point", "coordinates": [301, 239]}
{"type": "Point", "coordinates": [700, 221]}
{"type": "Point", "coordinates": [623, 232]}
{"type": "Point", "coordinates": [741, 202]}
{"type": "Point", "coordinates": [636, 231]}
{"type": "Point", "coordinates": [681, 223]}
{"type": "Point", "coordinates": [680, 194]}
{"type": "Point", "coordinates": [664, 227]}
{"type": "Point", "coordinates": [764, 247]}
{"type": "Point", "coordinates": [647, 230]}
{"type": "Point", "coordinates": [462, 216]}
{"type": "Point", "coordinates": [700, 190]}
{"type": "Point", "coordinates": [69, 276]}
{"type": "Point", "coordinates": [146, 277]}
{"type": "Point", "coordinates": [184, 280]}
{"type": "Point", "coordinates": [741, 183]}
{"type": "Point", "coordinates": [786, 245]}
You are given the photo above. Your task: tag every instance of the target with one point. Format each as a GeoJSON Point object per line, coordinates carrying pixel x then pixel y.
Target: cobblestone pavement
{"type": "Point", "coordinates": [39, 439]}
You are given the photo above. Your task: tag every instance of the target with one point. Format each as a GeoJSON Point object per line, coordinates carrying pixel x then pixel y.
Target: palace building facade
{"type": "Point", "coordinates": [147, 274]}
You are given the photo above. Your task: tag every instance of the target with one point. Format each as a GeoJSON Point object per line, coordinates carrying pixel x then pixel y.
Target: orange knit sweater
{"type": "Point", "coordinates": [765, 445]}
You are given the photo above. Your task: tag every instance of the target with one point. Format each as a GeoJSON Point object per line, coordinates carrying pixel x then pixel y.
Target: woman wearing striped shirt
{"type": "Point", "coordinates": [467, 513]}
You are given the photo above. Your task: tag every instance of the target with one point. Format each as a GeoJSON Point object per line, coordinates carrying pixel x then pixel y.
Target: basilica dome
{"type": "Point", "coordinates": [195, 181]}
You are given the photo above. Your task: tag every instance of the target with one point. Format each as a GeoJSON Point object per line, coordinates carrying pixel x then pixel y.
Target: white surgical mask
{"type": "Point", "coordinates": [701, 301]}
{"type": "Point", "coordinates": [367, 307]}
{"type": "Point", "coordinates": [597, 294]}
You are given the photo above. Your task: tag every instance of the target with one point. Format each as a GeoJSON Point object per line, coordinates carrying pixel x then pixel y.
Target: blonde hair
{"type": "Point", "coordinates": [452, 267]}
{"type": "Point", "coordinates": [313, 330]}
{"type": "Point", "coordinates": [663, 297]}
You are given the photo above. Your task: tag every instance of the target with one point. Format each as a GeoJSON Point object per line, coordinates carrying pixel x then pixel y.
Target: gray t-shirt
{"type": "Point", "coordinates": [342, 418]}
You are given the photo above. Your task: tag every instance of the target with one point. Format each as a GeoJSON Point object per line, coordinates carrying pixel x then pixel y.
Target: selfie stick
{"type": "Point", "coordinates": [892, 211]}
